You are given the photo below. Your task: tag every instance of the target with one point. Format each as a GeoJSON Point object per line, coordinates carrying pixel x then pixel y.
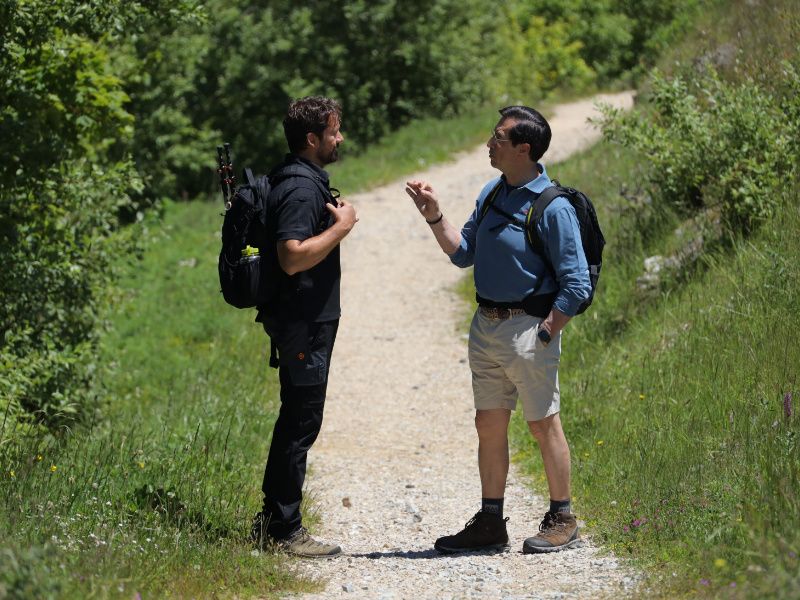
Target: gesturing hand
{"type": "Point", "coordinates": [424, 197]}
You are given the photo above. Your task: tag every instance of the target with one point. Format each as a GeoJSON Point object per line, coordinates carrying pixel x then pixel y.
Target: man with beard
{"type": "Point", "coordinates": [525, 298]}
{"type": "Point", "coordinates": [306, 226]}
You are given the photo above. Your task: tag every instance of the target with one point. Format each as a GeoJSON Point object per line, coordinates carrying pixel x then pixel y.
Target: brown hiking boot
{"type": "Point", "coordinates": [484, 531]}
{"type": "Point", "coordinates": [557, 531]}
{"type": "Point", "coordinates": [300, 543]}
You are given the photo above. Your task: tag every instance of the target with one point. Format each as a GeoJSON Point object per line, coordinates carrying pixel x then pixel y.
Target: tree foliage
{"type": "Point", "coordinates": [64, 180]}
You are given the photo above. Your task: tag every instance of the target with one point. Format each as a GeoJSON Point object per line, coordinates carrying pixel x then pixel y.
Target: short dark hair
{"type": "Point", "coordinates": [308, 115]}
{"type": "Point", "coordinates": [531, 128]}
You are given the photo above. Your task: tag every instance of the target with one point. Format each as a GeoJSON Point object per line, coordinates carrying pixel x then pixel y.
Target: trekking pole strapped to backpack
{"type": "Point", "coordinates": [227, 179]}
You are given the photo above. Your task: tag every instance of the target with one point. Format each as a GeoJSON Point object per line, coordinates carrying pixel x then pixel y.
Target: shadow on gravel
{"type": "Point", "coordinates": [417, 554]}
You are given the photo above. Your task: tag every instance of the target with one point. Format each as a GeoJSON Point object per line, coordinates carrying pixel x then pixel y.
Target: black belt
{"type": "Point", "coordinates": [536, 305]}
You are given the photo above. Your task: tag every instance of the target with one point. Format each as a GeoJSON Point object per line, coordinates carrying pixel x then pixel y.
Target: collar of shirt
{"type": "Point", "coordinates": [322, 173]}
{"type": "Point", "coordinates": [537, 185]}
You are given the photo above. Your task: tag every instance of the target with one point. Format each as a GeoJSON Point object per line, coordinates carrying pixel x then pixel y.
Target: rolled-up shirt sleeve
{"type": "Point", "coordinates": [561, 231]}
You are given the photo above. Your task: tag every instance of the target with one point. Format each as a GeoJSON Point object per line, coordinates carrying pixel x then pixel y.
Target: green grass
{"type": "Point", "coordinates": [157, 496]}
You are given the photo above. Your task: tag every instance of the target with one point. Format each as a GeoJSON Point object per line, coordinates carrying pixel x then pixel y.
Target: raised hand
{"type": "Point", "coordinates": [424, 198]}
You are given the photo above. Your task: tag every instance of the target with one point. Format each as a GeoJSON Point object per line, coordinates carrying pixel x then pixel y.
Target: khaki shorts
{"type": "Point", "coordinates": [508, 361]}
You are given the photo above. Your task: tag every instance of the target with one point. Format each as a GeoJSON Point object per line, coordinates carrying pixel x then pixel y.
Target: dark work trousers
{"type": "Point", "coordinates": [304, 381]}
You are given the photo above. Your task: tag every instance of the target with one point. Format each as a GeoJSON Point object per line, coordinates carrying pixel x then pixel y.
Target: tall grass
{"type": "Point", "coordinates": [156, 498]}
{"type": "Point", "coordinates": [684, 454]}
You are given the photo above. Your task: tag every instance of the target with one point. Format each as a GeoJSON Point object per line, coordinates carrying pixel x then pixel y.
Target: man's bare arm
{"type": "Point", "coordinates": [295, 256]}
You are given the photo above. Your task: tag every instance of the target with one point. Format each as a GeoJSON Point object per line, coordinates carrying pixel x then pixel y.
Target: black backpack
{"type": "Point", "coordinates": [591, 236]}
{"type": "Point", "coordinates": [248, 267]}
{"type": "Point", "coordinates": [246, 273]}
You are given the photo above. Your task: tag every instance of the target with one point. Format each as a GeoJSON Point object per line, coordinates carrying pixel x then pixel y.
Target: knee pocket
{"type": "Point", "coordinates": [304, 352]}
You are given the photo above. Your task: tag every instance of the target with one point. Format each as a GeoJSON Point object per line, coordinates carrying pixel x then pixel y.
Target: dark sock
{"type": "Point", "coordinates": [493, 506]}
{"type": "Point", "coordinates": [560, 506]}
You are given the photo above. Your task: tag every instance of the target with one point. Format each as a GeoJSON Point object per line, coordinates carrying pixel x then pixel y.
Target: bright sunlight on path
{"type": "Point", "coordinates": [395, 466]}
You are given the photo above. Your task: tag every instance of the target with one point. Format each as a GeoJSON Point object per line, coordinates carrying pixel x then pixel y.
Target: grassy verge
{"type": "Point", "coordinates": [156, 497]}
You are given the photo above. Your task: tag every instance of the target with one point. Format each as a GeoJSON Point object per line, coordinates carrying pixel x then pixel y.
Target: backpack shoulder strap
{"type": "Point", "coordinates": [249, 178]}
{"type": "Point", "coordinates": [489, 202]}
{"type": "Point", "coordinates": [543, 201]}
{"type": "Point", "coordinates": [535, 214]}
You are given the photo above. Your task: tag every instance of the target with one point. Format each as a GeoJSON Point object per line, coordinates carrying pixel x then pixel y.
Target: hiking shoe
{"type": "Point", "coordinates": [300, 543]}
{"type": "Point", "coordinates": [557, 531]}
{"type": "Point", "coordinates": [484, 531]}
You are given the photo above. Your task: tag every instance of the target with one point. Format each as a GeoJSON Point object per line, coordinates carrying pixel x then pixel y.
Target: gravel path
{"type": "Point", "coordinates": [395, 466]}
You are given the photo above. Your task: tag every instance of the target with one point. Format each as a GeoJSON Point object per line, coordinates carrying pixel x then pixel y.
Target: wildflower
{"type": "Point", "coordinates": [39, 457]}
{"type": "Point", "coordinates": [787, 405]}
{"type": "Point", "coordinates": [704, 582]}
{"type": "Point", "coordinates": [53, 468]}
{"type": "Point", "coordinates": [599, 442]}
{"type": "Point", "coordinates": [11, 472]}
{"type": "Point", "coordinates": [720, 563]}
{"type": "Point", "coordinates": [625, 528]}
{"type": "Point", "coordinates": [733, 584]}
{"type": "Point", "coordinates": [641, 396]}
{"type": "Point", "coordinates": [585, 455]}
{"type": "Point", "coordinates": [141, 464]}
{"type": "Point", "coordinates": [792, 555]}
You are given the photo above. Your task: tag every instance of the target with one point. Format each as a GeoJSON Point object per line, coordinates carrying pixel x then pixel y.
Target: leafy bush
{"type": "Point", "coordinates": [64, 181]}
{"type": "Point", "coordinates": [712, 145]}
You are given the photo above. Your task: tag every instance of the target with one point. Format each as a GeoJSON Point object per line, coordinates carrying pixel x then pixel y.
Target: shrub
{"type": "Point", "coordinates": [711, 145]}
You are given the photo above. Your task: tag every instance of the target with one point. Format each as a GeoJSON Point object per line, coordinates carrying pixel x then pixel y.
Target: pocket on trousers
{"type": "Point", "coordinates": [307, 355]}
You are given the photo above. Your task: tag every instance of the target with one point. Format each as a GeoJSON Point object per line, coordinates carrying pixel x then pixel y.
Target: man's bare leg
{"type": "Point", "coordinates": [555, 455]}
{"type": "Point", "coordinates": [492, 427]}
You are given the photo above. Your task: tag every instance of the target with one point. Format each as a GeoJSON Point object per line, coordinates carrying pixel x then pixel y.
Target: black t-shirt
{"type": "Point", "coordinates": [299, 213]}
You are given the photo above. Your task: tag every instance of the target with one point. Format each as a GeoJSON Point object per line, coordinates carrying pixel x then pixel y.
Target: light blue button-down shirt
{"type": "Point", "coordinates": [506, 267]}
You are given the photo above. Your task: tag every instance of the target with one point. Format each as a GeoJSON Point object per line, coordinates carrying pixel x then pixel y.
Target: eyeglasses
{"type": "Point", "coordinates": [498, 140]}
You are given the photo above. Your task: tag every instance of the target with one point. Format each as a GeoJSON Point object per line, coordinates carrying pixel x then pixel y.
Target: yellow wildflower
{"type": "Point", "coordinates": [720, 563]}
{"type": "Point", "coordinates": [599, 442]}
{"type": "Point", "coordinates": [53, 468]}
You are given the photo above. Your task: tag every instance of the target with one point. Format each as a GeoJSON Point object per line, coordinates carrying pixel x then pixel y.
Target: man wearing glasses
{"type": "Point", "coordinates": [525, 300]}
{"type": "Point", "coordinates": [306, 228]}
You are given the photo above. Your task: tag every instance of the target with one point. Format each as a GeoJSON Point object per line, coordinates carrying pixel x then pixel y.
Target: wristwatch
{"type": "Point", "coordinates": [543, 335]}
